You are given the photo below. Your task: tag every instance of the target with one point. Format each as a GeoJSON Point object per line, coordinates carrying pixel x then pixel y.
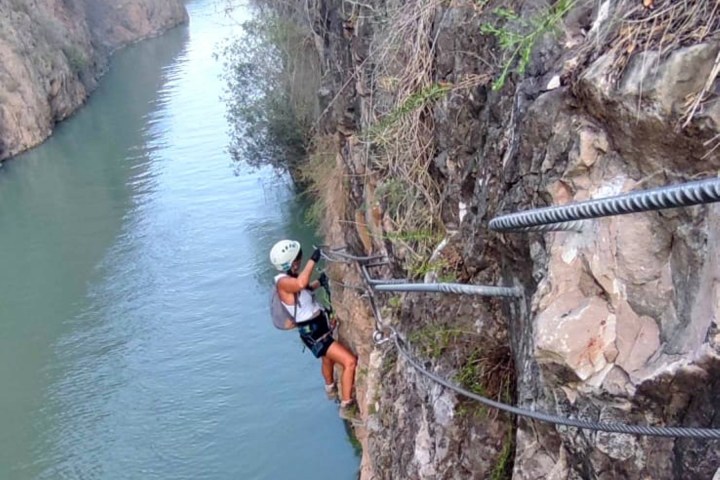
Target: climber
{"type": "Point", "coordinates": [295, 291]}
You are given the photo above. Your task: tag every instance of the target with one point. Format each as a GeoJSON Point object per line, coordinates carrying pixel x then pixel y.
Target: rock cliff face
{"type": "Point", "coordinates": [52, 53]}
{"type": "Point", "coordinates": [620, 322]}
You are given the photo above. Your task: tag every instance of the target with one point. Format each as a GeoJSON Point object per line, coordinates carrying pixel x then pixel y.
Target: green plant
{"type": "Point", "coordinates": [422, 267]}
{"type": "Point", "coordinates": [471, 377]}
{"type": "Point", "coordinates": [417, 100]}
{"type": "Point", "coordinates": [272, 74]}
{"type": "Point", "coordinates": [414, 236]}
{"type": "Point", "coordinates": [400, 138]}
{"type": "Point", "coordinates": [470, 409]}
{"type": "Point", "coordinates": [395, 302]}
{"type": "Point", "coordinates": [503, 466]}
{"type": "Point", "coordinates": [312, 174]}
{"type": "Point", "coordinates": [433, 340]}
{"type": "Point", "coordinates": [321, 179]}
{"type": "Point", "coordinates": [487, 371]}
{"type": "Point", "coordinates": [470, 374]}
{"type": "Point", "coordinates": [520, 45]}
{"type": "Point", "coordinates": [315, 213]}
{"type": "Point", "coordinates": [417, 232]}
{"type": "Point", "coordinates": [352, 438]}
{"type": "Point", "coordinates": [75, 58]}
{"type": "Point", "coordinates": [388, 363]}
{"type": "Point", "coordinates": [393, 193]}
{"type": "Point", "coordinates": [448, 277]}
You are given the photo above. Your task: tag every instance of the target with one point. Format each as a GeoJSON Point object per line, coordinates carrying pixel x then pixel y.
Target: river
{"type": "Point", "coordinates": [135, 341]}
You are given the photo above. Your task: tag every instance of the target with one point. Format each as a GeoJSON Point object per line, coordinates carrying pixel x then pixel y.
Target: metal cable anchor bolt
{"type": "Point", "coordinates": [379, 337]}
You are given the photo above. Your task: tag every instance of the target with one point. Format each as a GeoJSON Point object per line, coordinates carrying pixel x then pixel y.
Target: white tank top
{"type": "Point", "coordinates": [307, 306]}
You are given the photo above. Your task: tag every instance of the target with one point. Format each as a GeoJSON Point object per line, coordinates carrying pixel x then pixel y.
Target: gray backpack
{"type": "Point", "coordinates": [281, 317]}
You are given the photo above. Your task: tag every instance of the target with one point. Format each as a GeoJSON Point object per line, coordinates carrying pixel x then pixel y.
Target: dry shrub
{"type": "Point", "coordinates": [400, 140]}
{"type": "Point", "coordinates": [324, 181]}
{"type": "Point", "coordinates": [483, 364]}
{"type": "Point", "coordinates": [489, 371]}
{"type": "Point", "coordinates": [669, 25]}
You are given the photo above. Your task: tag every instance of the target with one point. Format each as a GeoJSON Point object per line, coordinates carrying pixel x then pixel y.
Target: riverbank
{"type": "Point", "coordinates": [53, 53]}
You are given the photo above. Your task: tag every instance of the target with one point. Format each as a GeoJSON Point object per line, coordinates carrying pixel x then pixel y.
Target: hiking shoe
{"type": "Point", "coordinates": [349, 411]}
{"type": "Point", "coordinates": [331, 391]}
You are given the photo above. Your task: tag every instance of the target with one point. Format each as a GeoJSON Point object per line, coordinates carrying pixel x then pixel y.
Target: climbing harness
{"type": "Point", "coordinates": [551, 218]}
{"type": "Point", "coordinates": [307, 331]}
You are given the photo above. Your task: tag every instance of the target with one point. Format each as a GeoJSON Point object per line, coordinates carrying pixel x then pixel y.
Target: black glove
{"type": "Point", "coordinates": [324, 280]}
{"type": "Point", "coordinates": [315, 257]}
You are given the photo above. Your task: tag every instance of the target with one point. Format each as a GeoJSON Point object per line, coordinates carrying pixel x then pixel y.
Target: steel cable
{"type": "Point", "coordinates": [673, 432]}
{"type": "Point", "coordinates": [683, 195]}
{"type": "Point", "coordinates": [347, 257]}
{"type": "Point", "coordinates": [676, 432]}
{"type": "Point", "coordinates": [458, 288]}
{"type": "Point", "coordinates": [636, 202]}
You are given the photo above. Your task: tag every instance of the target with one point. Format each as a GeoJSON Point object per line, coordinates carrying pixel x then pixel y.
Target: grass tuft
{"type": "Point", "coordinates": [520, 38]}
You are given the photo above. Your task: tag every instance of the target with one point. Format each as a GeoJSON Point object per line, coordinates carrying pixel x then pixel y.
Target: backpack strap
{"type": "Point", "coordinates": [294, 314]}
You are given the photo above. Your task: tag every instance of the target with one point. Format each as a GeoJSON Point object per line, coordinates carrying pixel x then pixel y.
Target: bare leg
{"type": "Point", "coordinates": [327, 370]}
{"type": "Point", "coordinates": [338, 353]}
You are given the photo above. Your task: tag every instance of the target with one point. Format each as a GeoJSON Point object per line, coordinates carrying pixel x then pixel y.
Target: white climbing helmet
{"type": "Point", "coordinates": [283, 253]}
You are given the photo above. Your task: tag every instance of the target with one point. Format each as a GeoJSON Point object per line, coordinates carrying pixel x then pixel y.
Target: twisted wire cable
{"type": "Point", "coordinates": [327, 258]}
{"type": "Point", "coordinates": [458, 288]}
{"type": "Point", "coordinates": [376, 281]}
{"type": "Point", "coordinates": [572, 226]}
{"type": "Point", "coordinates": [388, 281]}
{"type": "Point", "coordinates": [683, 195]}
{"type": "Point", "coordinates": [693, 193]}
{"type": "Point", "coordinates": [348, 285]}
{"type": "Point", "coordinates": [326, 254]}
{"type": "Point", "coordinates": [675, 432]}
{"type": "Point", "coordinates": [379, 323]}
{"type": "Point", "coordinates": [377, 264]}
